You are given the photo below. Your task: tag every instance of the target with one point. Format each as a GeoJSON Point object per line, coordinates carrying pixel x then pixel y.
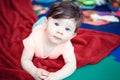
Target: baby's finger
{"type": "Point", "coordinates": [43, 77]}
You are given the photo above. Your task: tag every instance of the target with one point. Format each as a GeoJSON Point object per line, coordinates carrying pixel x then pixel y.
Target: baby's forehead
{"type": "Point", "coordinates": [65, 20]}
{"type": "Point", "coordinates": [70, 21]}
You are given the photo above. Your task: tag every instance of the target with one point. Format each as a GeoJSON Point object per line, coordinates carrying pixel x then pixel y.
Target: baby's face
{"type": "Point", "coordinates": [60, 30]}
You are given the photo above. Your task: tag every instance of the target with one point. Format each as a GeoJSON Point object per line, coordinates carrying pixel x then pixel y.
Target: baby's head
{"type": "Point", "coordinates": [66, 10]}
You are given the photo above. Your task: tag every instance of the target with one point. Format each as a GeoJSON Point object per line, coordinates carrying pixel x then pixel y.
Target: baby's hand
{"type": "Point", "coordinates": [52, 76]}
{"type": "Point", "coordinates": [41, 74]}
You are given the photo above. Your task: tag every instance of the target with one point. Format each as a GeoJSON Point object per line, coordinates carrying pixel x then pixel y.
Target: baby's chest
{"type": "Point", "coordinates": [53, 55]}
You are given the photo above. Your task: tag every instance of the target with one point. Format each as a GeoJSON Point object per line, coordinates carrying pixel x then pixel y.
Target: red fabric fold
{"type": "Point", "coordinates": [16, 20]}
{"type": "Point", "coordinates": [92, 46]}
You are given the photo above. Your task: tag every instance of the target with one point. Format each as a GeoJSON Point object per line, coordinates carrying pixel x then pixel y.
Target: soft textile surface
{"type": "Point", "coordinates": [16, 20]}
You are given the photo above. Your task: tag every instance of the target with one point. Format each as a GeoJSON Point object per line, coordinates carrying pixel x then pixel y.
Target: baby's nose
{"type": "Point", "coordinates": [60, 32]}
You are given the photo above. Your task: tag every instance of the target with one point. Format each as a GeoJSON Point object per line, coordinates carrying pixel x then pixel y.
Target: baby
{"type": "Point", "coordinates": [52, 39]}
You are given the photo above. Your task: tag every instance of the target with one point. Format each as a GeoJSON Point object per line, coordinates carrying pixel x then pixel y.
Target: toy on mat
{"type": "Point", "coordinates": [98, 18]}
{"type": "Point", "coordinates": [100, 2]}
{"type": "Point", "coordinates": [86, 4]}
{"type": "Point", "coordinates": [117, 13]}
{"type": "Point", "coordinates": [114, 4]}
{"type": "Point", "coordinates": [40, 9]}
{"type": "Point", "coordinates": [109, 18]}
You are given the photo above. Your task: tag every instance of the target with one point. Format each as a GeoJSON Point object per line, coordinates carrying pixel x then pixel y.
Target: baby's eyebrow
{"type": "Point", "coordinates": [70, 26]}
{"type": "Point", "coordinates": [57, 21]}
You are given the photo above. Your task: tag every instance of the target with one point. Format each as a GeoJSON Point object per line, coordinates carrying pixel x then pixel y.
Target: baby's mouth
{"type": "Point", "coordinates": [58, 38]}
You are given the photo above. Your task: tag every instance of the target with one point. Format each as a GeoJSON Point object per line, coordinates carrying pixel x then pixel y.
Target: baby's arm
{"type": "Point", "coordinates": [66, 70]}
{"type": "Point", "coordinates": [27, 65]}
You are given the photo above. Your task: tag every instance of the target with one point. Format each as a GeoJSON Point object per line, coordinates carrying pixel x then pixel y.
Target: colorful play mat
{"type": "Point", "coordinates": [107, 69]}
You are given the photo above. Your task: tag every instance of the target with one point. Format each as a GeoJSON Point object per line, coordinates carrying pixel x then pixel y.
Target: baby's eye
{"type": "Point", "coordinates": [67, 29]}
{"type": "Point", "coordinates": [56, 24]}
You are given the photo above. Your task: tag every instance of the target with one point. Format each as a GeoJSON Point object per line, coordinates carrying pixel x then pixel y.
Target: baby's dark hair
{"type": "Point", "coordinates": [66, 10]}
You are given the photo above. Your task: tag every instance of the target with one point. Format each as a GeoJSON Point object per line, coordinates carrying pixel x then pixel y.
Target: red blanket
{"type": "Point", "coordinates": [16, 20]}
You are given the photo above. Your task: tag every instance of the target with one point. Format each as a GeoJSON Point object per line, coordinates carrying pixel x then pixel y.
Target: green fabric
{"type": "Point", "coordinates": [107, 69]}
